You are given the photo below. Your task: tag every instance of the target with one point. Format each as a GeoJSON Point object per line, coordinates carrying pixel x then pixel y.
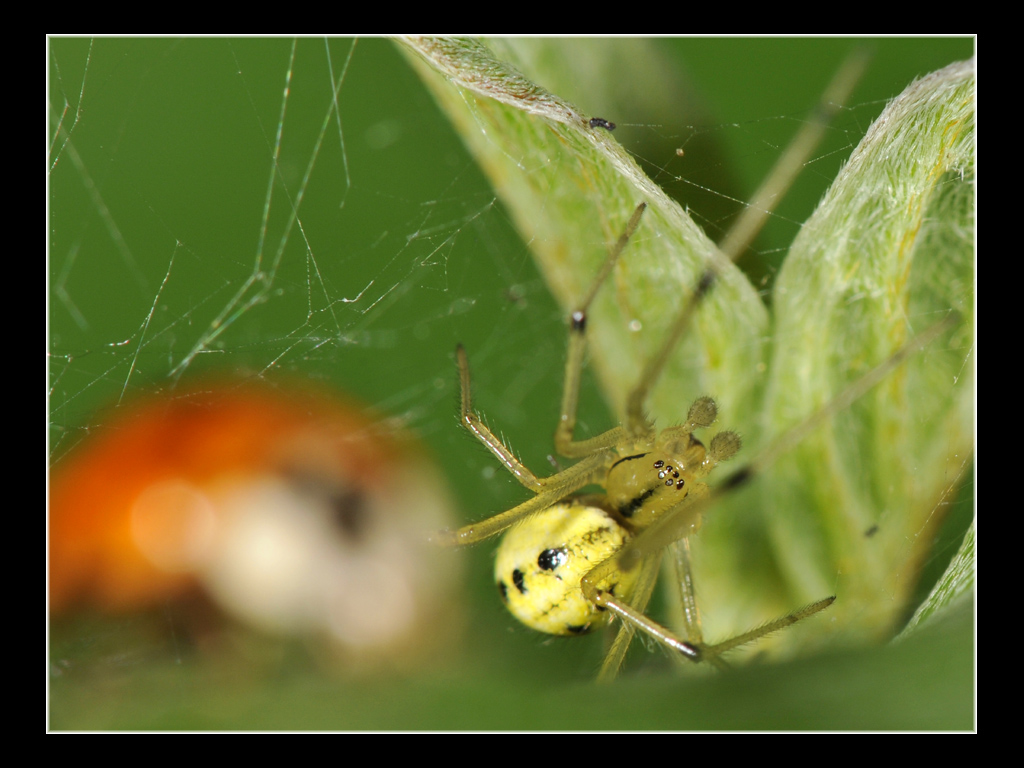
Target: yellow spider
{"type": "Point", "coordinates": [574, 561]}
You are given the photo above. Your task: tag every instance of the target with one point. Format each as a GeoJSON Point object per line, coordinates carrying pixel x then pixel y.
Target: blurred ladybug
{"type": "Point", "coordinates": [295, 512]}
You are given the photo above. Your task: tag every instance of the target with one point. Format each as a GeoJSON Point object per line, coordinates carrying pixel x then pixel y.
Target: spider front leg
{"type": "Point", "coordinates": [548, 489]}
{"type": "Point", "coordinates": [594, 452]}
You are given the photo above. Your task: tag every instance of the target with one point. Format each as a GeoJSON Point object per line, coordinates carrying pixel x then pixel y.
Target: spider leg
{"type": "Point", "coordinates": [553, 489]}
{"type": "Point", "coordinates": [679, 522]}
{"type": "Point", "coordinates": [641, 597]}
{"type": "Point", "coordinates": [565, 443]}
{"type": "Point", "coordinates": [754, 216]}
{"type": "Point", "coordinates": [637, 620]}
{"type": "Point", "coordinates": [472, 422]}
{"type": "Point", "coordinates": [592, 451]}
{"type": "Point", "coordinates": [634, 619]}
{"type": "Point", "coordinates": [683, 580]}
{"type": "Point", "coordinates": [711, 652]}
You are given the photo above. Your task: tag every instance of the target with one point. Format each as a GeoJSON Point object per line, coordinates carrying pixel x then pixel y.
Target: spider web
{"type": "Point", "coordinates": [301, 211]}
{"type": "Point", "coordinates": [204, 220]}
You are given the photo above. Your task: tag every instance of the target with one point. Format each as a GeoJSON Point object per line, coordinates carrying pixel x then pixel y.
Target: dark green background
{"type": "Point", "coordinates": [170, 155]}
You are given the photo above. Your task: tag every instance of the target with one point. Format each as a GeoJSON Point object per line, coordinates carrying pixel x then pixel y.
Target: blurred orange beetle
{"type": "Point", "coordinates": [293, 511]}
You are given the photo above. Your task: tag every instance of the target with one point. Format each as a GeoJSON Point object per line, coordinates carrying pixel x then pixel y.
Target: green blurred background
{"type": "Point", "coordinates": [156, 211]}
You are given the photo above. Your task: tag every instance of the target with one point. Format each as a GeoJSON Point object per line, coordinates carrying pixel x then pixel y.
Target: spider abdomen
{"type": "Point", "coordinates": [540, 562]}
